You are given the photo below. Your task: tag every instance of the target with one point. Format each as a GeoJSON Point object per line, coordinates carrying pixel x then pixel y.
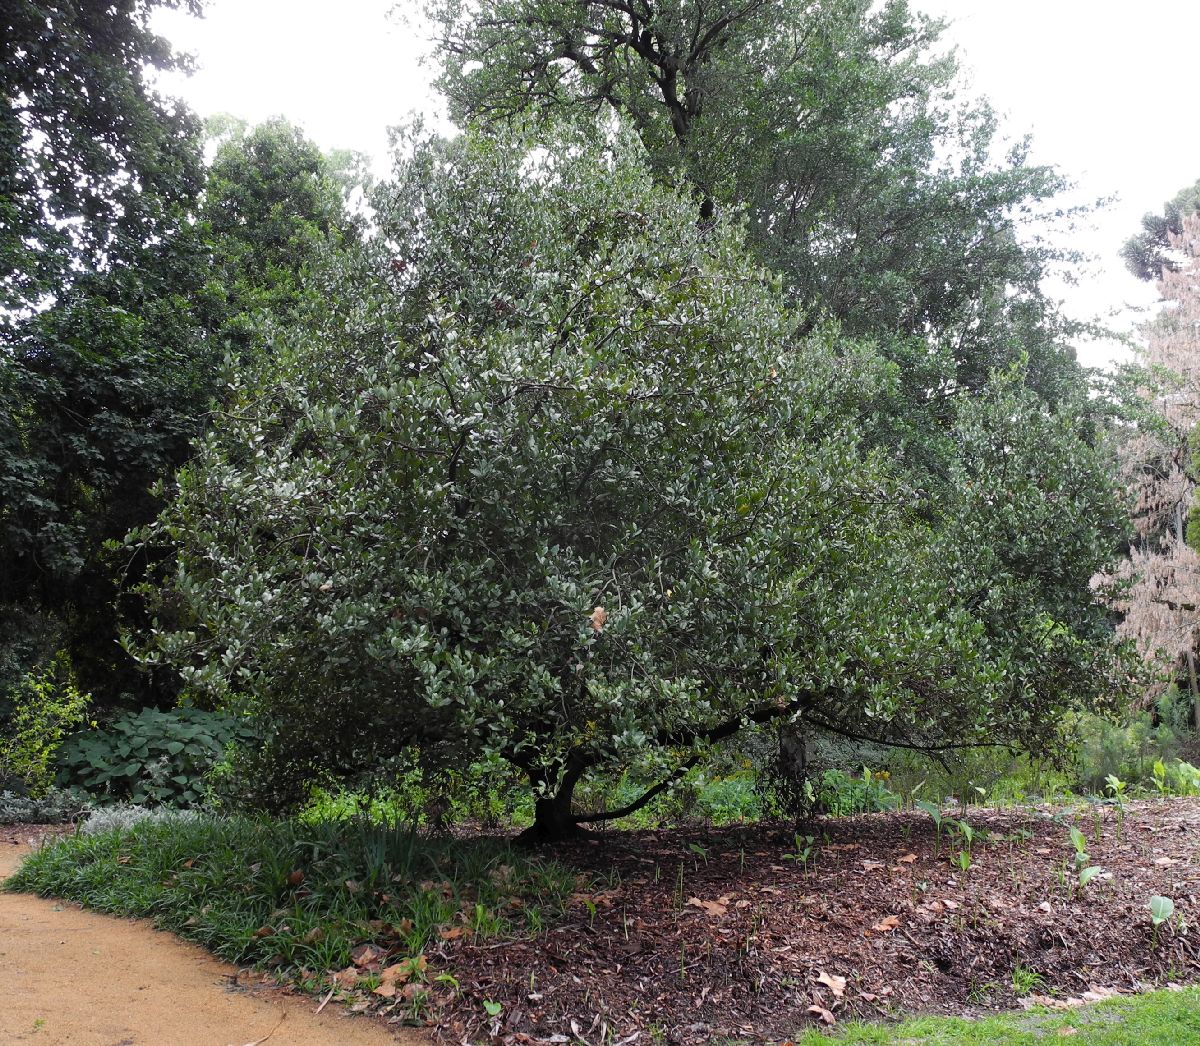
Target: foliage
{"type": "Point", "coordinates": [294, 895]}
{"type": "Point", "coordinates": [99, 374]}
{"type": "Point", "coordinates": [840, 794]}
{"type": "Point", "coordinates": [150, 756]}
{"type": "Point", "coordinates": [553, 476]}
{"type": "Point", "coordinates": [54, 806]}
{"type": "Point", "coordinates": [1151, 253]}
{"type": "Point", "coordinates": [273, 205]}
{"type": "Point", "coordinates": [868, 182]}
{"type": "Point", "coordinates": [46, 706]}
{"type": "Point", "coordinates": [1156, 588]}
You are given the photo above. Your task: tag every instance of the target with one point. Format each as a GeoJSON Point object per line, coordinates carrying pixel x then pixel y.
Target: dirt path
{"type": "Point", "coordinates": [73, 977]}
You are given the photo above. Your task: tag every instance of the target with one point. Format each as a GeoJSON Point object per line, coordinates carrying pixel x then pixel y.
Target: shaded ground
{"type": "Point", "coordinates": [700, 935]}
{"type": "Point", "coordinates": [75, 977]}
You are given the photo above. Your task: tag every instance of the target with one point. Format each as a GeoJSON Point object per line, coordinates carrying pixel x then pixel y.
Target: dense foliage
{"type": "Point", "coordinates": [109, 378]}
{"type": "Point", "coordinates": [555, 475]}
{"type": "Point", "coordinates": [150, 756]}
{"type": "Point", "coordinates": [871, 184]}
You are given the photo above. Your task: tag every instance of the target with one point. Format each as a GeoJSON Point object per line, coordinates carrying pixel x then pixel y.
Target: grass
{"type": "Point", "coordinates": [1169, 1018]}
{"type": "Point", "coordinates": [301, 896]}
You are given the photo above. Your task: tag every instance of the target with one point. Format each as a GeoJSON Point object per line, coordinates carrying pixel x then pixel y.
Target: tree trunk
{"type": "Point", "coordinates": [553, 819]}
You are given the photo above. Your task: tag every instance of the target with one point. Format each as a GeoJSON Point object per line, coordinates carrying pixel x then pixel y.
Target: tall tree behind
{"type": "Point", "coordinates": [99, 372]}
{"type": "Point", "coordinates": [869, 183]}
{"type": "Point", "coordinates": [1159, 590]}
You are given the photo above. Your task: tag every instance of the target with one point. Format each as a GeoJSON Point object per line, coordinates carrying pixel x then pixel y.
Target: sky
{"type": "Point", "coordinates": [1107, 92]}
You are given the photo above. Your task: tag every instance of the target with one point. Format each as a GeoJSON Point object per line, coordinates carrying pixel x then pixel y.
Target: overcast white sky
{"type": "Point", "coordinates": [1108, 91]}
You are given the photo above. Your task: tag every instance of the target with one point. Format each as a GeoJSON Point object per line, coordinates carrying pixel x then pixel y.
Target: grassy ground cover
{"type": "Point", "coordinates": [302, 896]}
{"type": "Point", "coordinates": [1165, 1018]}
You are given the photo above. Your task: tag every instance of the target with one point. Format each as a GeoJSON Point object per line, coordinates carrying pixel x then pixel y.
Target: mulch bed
{"type": "Point", "coordinates": [29, 835]}
{"type": "Point", "coordinates": [701, 934]}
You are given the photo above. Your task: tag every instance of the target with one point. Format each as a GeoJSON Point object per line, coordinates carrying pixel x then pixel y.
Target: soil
{"type": "Point", "coordinates": [74, 977]}
{"type": "Point", "coordinates": [695, 935]}
{"type": "Point", "coordinates": [689, 935]}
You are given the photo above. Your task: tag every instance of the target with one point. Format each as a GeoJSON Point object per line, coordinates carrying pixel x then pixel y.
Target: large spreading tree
{"type": "Point", "coordinates": [554, 473]}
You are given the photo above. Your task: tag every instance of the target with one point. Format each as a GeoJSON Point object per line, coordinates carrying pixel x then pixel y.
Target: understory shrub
{"type": "Point", "coordinates": [54, 806]}
{"type": "Point", "coordinates": [45, 706]}
{"type": "Point", "coordinates": [151, 756]}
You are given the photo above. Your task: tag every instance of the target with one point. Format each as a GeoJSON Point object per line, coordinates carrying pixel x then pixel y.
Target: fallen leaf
{"type": "Point", "coordinates": [295, 878]}
{"type": "Point", "coordinates": [1044, 906]}
{"type": "Point", "coordinates": [834, 983]}
{"type": "Point", "coordinates": [951, 905]}
{"type": "Point", "coordinates": [906, 859]}
{"type": "Point", "coordinates": [1066, 1030]}
{"type": "Point", "coordinates": [364, 954]}
{"type": "Point", "coordinates": [713, 908]}
{"type": "Point", "coordinates": [313, 935]}
{"type": "Point", "coordinates": [887, 924]}
{"type": "Point", "coordinates": [823, 1013]}
{"type": "Point", "coordinates": [452, 933]}
{"type": "Point", "coordinates": [1164, 861]}
{"type": "Point", "coordinates": [870, 866]}
{"type": "Point", "coordinates": [346, 978]}
{"type": "Point", "coordinates": [263, 931]}
{"type": "Point", "coordinates": [599, 616]}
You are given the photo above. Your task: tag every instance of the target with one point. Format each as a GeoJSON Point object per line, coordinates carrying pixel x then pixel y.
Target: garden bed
{"type": "Point", "coordinates": [728, 933]}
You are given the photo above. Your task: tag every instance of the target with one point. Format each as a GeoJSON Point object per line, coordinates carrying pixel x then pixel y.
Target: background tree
{"type": "Point", "coordinates": [868, 182]}
{"type": "Point", "coordinates": [126, 281]}
{"type": "Point", "coordinates": [1148, 255]}
{"type": "Point", "coordinates": [98, 259]}
{"type": "Point", "coordinates": [1158, 587]}
{"type": "Point", "coordinates": [554, 475]}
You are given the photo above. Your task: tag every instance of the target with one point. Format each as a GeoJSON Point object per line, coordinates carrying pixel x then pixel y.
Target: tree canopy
{"type": "Point", "coordinates": [869, 182]}
{"type": "Point", "coordinates": [556, 475]}
{"type": "Point", "coordinates": [130, 273]}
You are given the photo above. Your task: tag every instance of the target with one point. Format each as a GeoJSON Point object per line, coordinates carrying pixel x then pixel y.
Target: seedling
{"type": "Point", "coordinates": [1084, 872]}
{"type": "Point", "coordinates": [1161, 910]}
{"type": "Point", "coordinates": [804, 852]}
{"type": "Point", "coordinates": [494, 1009]}
{"type": "Point", "coordinates": [935, 813]}
{"type": "Point", "coordinates": [699, 851]}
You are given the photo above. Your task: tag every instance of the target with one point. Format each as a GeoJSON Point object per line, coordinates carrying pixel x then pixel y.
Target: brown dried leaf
{"type": "Point", "coordinates": [834, 983]}
{"type": "Point", "coordinates": [713, 908]}
{"type": "Point", "coordinates": [887, 924]}
{"type": "Point", "coordinates": [365, 954]}
{"type": "Point", "coordinates": [598, 617]}
{"type": "Point", "coordinates": [823, 1013]}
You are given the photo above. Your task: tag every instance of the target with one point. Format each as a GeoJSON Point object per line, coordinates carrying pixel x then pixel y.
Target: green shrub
{"type": "Point", "coordinates": [46, 706]}
{"type": "Point", "coordinates": [841, 794]}
{"type": "Point", "coordinates": [54, 806]}
{"type": "Point", "coordinates": [151, 757]}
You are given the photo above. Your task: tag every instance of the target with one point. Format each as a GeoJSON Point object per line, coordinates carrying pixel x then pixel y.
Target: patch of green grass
{"type": "Point", "coordinates": [294, 895]}
{"type": "Point", "coordinates": [1163, 1018]}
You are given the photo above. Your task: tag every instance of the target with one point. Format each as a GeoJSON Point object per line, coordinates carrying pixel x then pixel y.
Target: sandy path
{"type": "Point", "coordinates": [72, 976]}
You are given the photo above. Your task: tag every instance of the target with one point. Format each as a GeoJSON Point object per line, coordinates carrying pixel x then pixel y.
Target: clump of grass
{"type": "Point", "coordinates": [293, 895]}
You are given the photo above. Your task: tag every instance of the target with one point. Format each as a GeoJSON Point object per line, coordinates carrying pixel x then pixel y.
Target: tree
{"type": "Point", "coordinates": [868, 184]}
{"type": "Point", "coordinates": [107, 382]}
{"type": "Point", "coordinates": [273, 204]}
{"type": "Point", "coordinates": [98, 262]}
{"type": "Point", "coordinates": [554, 475]}
{"type": "Point", "coordinates": [1148, 255]}
{"type": "Point", "coordinates": [1157, 589]}
{"type": "Point", "coordinates": [93, 164]}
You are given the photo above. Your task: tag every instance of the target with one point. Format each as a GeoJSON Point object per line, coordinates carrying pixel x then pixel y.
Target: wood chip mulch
{"type": "Point", "coordinates": [699, 934]}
